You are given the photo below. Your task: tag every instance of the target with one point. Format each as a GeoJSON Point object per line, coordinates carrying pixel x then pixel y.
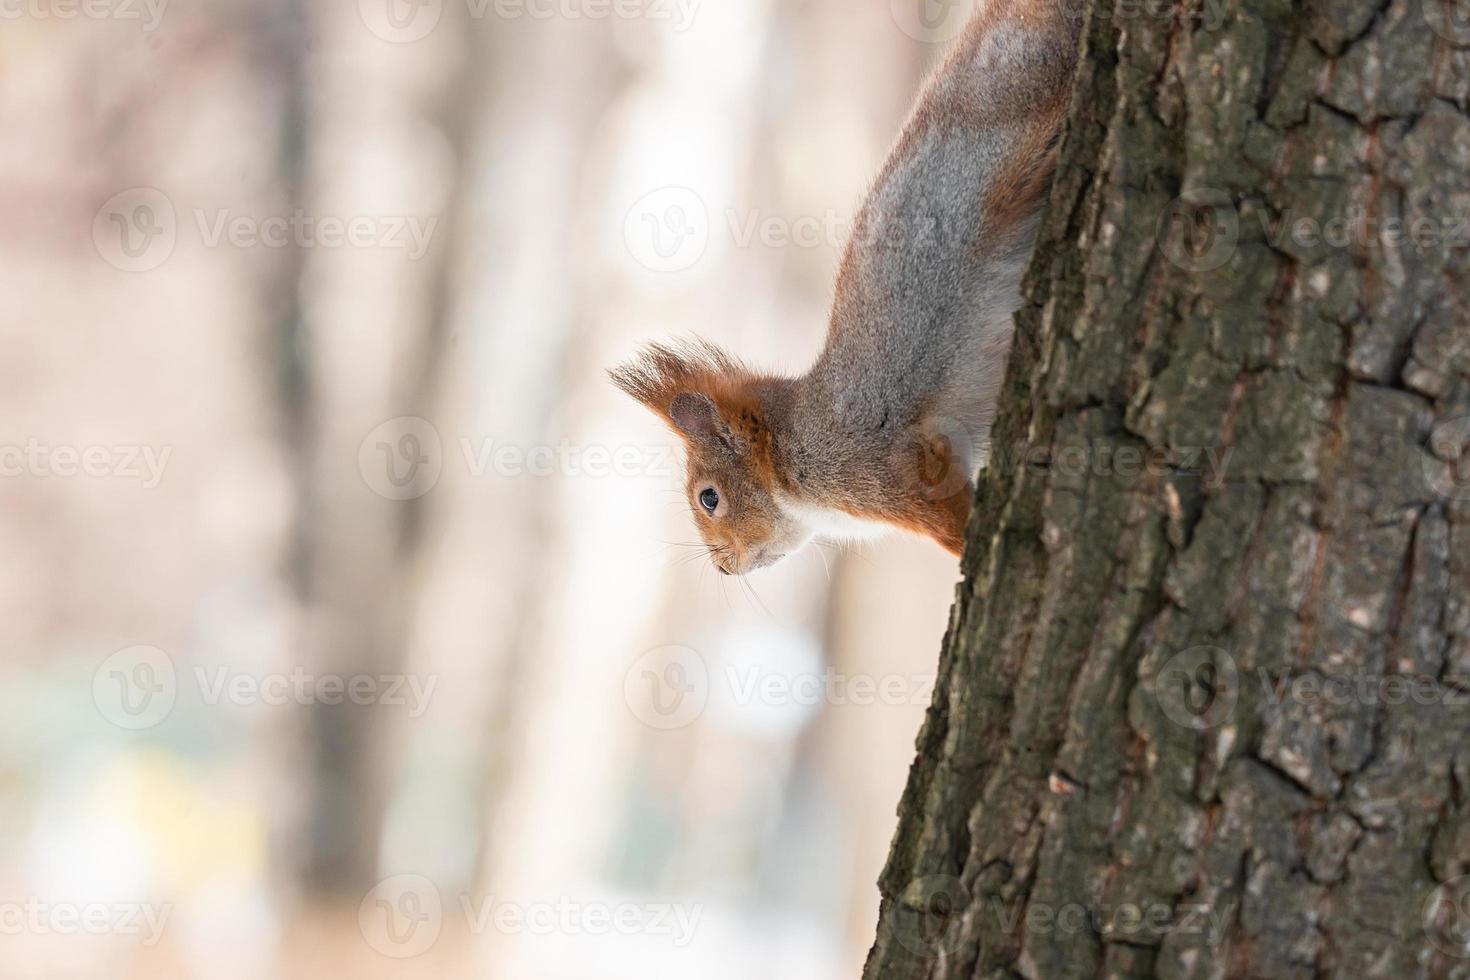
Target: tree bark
{"type": "Point", "coordinates": [1204, 706]}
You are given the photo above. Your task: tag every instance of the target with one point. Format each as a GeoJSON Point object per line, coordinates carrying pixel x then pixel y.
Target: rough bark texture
{"type": "Point", "coordinates": [1208, 715]}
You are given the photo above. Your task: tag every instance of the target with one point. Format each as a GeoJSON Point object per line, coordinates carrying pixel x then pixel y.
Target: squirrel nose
{"type": "Point", "coordinates": [723, 569]}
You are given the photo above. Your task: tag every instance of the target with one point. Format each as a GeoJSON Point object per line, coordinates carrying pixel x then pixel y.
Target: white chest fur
{"type": "Point", "coordinates": [832, 525]}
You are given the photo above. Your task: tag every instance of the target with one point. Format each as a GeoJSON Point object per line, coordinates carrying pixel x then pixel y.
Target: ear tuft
{"type": "Point", "coordinates": [663, 373]}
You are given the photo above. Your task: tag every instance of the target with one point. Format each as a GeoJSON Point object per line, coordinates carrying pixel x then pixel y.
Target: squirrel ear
{"type": "Point", "coordinates": [698, 417]}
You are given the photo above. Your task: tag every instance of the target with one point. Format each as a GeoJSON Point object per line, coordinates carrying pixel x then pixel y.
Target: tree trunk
{"type": "Point", "coordinates": [1204, 706]}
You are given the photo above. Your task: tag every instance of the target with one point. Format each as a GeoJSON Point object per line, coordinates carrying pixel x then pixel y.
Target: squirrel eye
{"type": "Point", "coordinates": [709, 499]}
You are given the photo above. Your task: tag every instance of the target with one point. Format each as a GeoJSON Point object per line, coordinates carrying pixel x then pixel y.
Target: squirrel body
{"type": "Point", "coordinates": [890, 424]}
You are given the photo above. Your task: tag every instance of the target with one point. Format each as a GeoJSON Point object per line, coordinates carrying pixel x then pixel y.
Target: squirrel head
{"type": "Point", "coordinates": [723, 412]}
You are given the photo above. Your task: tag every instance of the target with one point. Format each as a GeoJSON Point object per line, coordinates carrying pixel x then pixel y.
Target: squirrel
{"type": "Point", "coordinates": [891, 424]}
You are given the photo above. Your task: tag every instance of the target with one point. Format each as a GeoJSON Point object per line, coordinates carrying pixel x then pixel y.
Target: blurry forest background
{"type": "Point", "coordinates": [306, 312]}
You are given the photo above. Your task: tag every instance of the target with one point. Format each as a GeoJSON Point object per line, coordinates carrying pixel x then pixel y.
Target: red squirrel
{"type": "Point", "coordinates": [891, 424]}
